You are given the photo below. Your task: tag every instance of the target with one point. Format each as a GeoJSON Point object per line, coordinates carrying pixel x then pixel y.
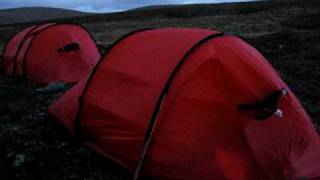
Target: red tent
{"type": "Point", "coordinates": [51, 52]}
{"type": "Point", "coordinates": [191, 104]}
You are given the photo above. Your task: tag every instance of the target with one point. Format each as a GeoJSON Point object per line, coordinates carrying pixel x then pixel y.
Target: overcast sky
{"type": "Point", "coordinates": [99, 5]}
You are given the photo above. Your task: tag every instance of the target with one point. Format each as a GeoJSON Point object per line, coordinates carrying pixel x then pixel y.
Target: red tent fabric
{"type": "Point", "coordinates": [51, 52]}
{"type": "Point", "coordinates": [179, 103]}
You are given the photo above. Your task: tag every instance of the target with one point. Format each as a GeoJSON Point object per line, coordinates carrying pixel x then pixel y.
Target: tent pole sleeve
{"type": "Point", "coordinates": [157, 110]}
{"type": "Point", "coordinates": [77, 124]}
{"type": "Point", "coordinates": [15, 65]}
{"type": "Point", "coordinates": [34, 36]}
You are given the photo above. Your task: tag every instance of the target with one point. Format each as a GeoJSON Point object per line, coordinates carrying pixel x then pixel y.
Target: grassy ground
{"type": "Point", "coordinates": [33, 146]}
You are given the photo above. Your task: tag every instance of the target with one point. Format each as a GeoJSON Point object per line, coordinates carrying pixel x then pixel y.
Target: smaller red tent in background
{"type": "Point", "coordinates": [50, 52]}
{"type": "Point", "coordinates": [192, 104]}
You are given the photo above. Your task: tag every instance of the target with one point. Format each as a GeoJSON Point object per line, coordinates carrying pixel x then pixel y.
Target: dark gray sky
{"type": "Point", "coordinates": [99, 5]}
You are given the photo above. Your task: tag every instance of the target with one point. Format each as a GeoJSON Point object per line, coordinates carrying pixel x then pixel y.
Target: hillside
{"type": "Point", "coordinates": [159, 12]}
{"type": "Point", "coordinates": [194, 10]}
{"type": "Point", "coordinates": [29, 14]}
{"type": "Point", "coordinates": [34, 146]}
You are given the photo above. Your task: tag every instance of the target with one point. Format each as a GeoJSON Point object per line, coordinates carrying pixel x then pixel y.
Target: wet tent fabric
{"type": "Point", "coordinates": [199, 132]}
{"type": "Point", "coordinates": [39, 53]}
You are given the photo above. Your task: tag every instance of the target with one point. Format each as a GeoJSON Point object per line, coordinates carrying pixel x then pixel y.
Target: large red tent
{"type": "Point", "coordinates": [50, 52]}
{"type": "Point", "coordinates": [191, 104]}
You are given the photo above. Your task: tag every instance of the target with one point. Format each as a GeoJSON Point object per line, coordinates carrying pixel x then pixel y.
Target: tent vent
{"type": "Point", "coordinates": [267, 107]}
{"type": "Point", "coordinates": [69, 47]}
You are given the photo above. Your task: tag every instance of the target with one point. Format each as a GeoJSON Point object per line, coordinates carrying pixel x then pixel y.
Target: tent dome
{"type": "Point", "coordinates": [180, 103]}
{"type": "Point", "coordinates": [50, 52]}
